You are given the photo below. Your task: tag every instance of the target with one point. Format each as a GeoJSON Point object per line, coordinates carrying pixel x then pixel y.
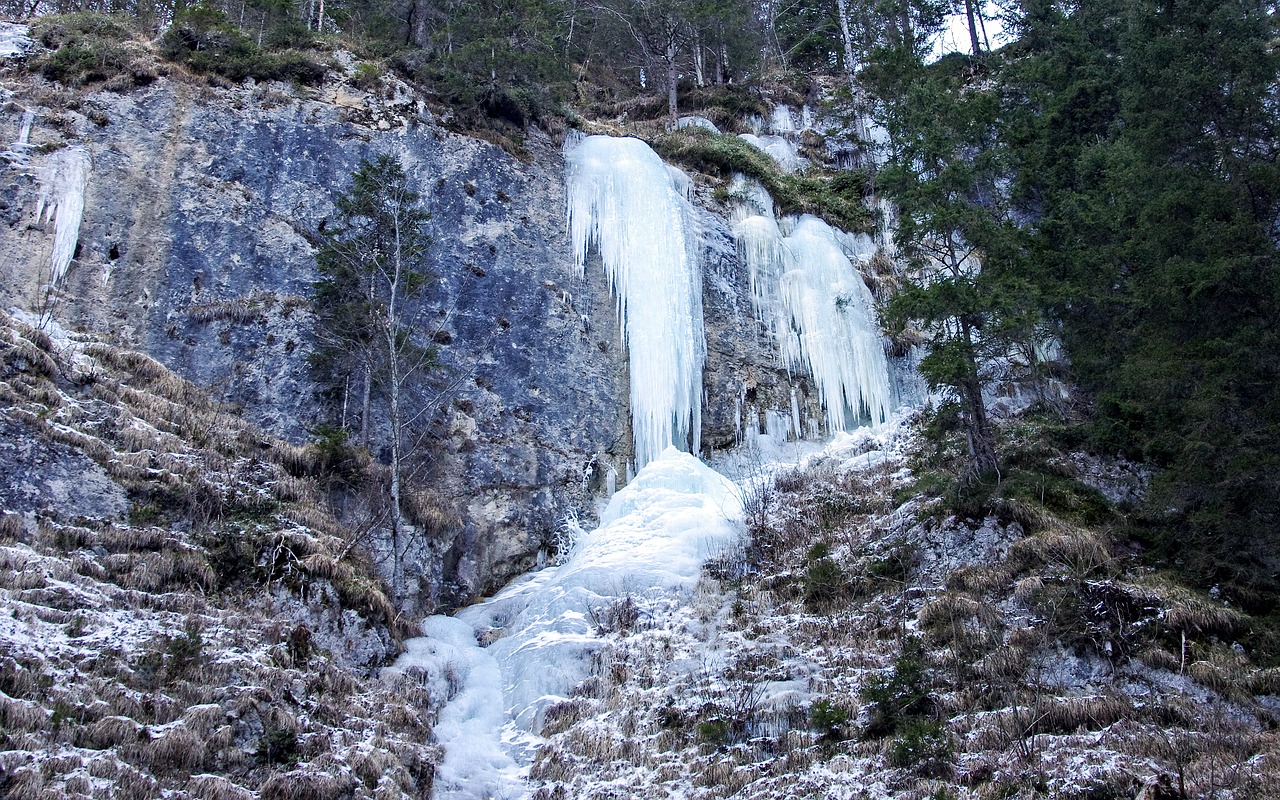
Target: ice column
{"type": "Point", "coordinates": [62, 183]}
{"type": "Point", "coordinates": [813, 300]}
{"type": "Point", "coordinates": [623, 199]}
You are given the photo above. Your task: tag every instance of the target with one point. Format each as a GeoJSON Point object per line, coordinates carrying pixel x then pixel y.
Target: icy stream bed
{"type": "Point", "coordinates": [647, 554]}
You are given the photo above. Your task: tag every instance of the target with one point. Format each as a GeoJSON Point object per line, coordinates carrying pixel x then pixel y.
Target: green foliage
{"type": "Point", "coordinates": [206, 42]}
{"type": "Point", "coordinates": [923, 744]}
{"type": "Point", "coordinates": [336, 458]}
{"type": "Point", "coordinates": [829, 718]}
{"type": "Point", "coordinates": [278, 747]}
{"type": "Point", "coordinates": [714, 731]}
{"type": "Point", "coordinates": [824, 582]}
{"type": "Point", "coordinates": [90, 48]}
{"type": "Point", "coordinates": [1138, 132]}
{"type": "Point", "coordinates": [901, 695]}
{"type": "Point", "coordinates": [836, 197]}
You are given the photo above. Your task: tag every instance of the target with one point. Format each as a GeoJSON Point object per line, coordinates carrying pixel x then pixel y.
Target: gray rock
{"type": "Point", "coordinates": [41, 475]}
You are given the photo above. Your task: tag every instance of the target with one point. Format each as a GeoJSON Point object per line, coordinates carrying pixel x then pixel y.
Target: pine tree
{"type": "Point", "coordinates": [372, 284]}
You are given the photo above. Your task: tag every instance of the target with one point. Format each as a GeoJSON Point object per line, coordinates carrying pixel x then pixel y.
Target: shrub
{"type": "Point", "coordinates": [89, 48]}
{"type": "Point", "coordinates": [901, 695]}
{"type": "Point", "coordinates": [836, 197]}
{"type": "Point", "coordinates": [828, 718]}
{"type": "Point", "coordinates": [824, 582]}
{"type": "Point", "coordinates": [714, 731]}
{"type": "Point", "coordinates": [922, 744]}
{"type": "Point", "coordinates": [206, 42]}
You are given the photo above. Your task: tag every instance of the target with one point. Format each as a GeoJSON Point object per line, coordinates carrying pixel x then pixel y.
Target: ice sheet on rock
{"type": "Point", "coordinates": [63, 179]}
{"type": "Point", "coordinates": [14, 40]}
{"type": "Point", "coordinates": [811, 297]}
{"type": "Point", "coordinates": [467, 680]}
{"type": "Point", "coordinates": [781, 149]}
{"type": "Point", "coordinates": [623, 200]}
{"type": "Point", "coordinates": [696, 122]}
{"type": "Point", "coordinates": [654, 537]}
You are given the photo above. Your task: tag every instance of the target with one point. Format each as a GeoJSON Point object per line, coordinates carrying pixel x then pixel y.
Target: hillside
{"type": "Point", "coordinates": [701, 399]}
{"type": "Point", "coordinates": [181, 616]}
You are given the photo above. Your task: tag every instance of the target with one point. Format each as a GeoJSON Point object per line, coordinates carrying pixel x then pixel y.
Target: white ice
{"type": "Point", "coordinates": [63, 179]}
{"type": "Point", "coordinates": [782, 150]}
{"type": "Point", "coordinates": [654, 537]}
{"type": "Point", "coordinates": [14, 40]}
{"type": "Point", "coordinates": [466, 683]}
{"type": "Point", "coordinates": [810, 295]}
{"type": "Point", "coordinates": [623, 200]}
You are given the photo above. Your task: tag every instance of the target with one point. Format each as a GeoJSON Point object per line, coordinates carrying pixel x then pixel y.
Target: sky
{"type": "Point", "coordinates": [955, 37]}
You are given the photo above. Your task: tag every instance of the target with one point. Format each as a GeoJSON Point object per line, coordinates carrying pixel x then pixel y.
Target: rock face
{"type": "Point", "coordinates": [196, 247]}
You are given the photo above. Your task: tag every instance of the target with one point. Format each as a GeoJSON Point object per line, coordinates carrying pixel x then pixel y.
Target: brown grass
{"type": "Point", "coordinates": [111, 732]}
{"type": "Point", "coordinates": [238, 310]}
{"type": "Point", "coordinates": [180, 749]}
{"type": "Point", "coordinates": [215, 787]}
{"type": "Point", "coordinates": [11, 527]}
{"type": "Point", "coordinates": [301, 785]}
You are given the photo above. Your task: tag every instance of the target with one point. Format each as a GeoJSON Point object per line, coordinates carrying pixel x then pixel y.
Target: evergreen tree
{"type": "Point", "coordinates": [371, 286]}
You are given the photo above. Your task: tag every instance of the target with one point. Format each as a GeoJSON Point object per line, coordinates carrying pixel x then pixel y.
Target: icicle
{"type": "Point", "coordinates": [622, 199]}
{"type": "Point", "coordinates": [812, 299]}
{"type": "Point", "coordinates": [62, 184]}
{"type": "Point", "coordinates": [19, 151]}
{"type": "Point", "coordinates": [611, 481]}
{"type": "Point", "coordinates": [737, 417]}
{"type": "Point", "coordinates": [777, 424]}
{"type": "Point", "coordinates": [782, 121]}
{"type": "Point", "coordinates": [795, 414]}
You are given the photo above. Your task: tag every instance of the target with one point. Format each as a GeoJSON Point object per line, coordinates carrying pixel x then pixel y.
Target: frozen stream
{"type": "Point", "coordinates": [653, 539]}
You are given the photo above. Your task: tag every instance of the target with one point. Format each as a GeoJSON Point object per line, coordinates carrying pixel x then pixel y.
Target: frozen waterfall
{"type": "Point", "coordinates": [647, 555]}
{"type": "Point", "coordinates": [811, 297]}
{"type": "Point", "coordinates": [63, 179]}
{"type": "Point", "coordinates": [625, 201]}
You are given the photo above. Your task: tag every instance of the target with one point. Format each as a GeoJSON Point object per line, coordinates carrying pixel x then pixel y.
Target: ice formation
{"type": "Point", "coordinates": [653, 538]}
{"type": "Point", "coordinates": [469, 726]}
{"type": "Point", "coordinates": [624, 200]}
{"type": "Point", "coordinates": [781, 149]}
{"type": "Point", "coordinates": [14, 40]}
{"type": "Point", "coordinates": [62, 183]}
{"type": "Point", "coordinates": [810, 296]}
{"type": "Point", "coordinates": [19, 151]}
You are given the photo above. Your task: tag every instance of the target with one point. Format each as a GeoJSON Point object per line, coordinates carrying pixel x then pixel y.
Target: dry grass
{"type": "Point", "coordinates": [11, 527]}
{"type": "Point", "coordinates": [301, 785]}
{"type": "Point", "coordinates": [215, 787]}
{"type": "Point", "coordinates": [239, 310]}
{"type": "Point", "coordinates": [1081, 552]}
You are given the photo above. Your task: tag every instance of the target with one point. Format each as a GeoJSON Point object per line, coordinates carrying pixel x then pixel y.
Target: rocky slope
{"type": "Point", "coordinates": [181, 618]}
{"type": "Point", "coordinates": [866, 647]}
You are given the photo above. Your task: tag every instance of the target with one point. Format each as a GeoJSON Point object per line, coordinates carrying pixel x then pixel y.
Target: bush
{"type": "Point", "coordinates": [836, 197]}
{"type": "Point", "coordinates": [90, 48]}
{"type": "Point", "coordinates": [824, 583]}
{"type": "Point", "coordinates": [901, 696]}
{"type": "Point", "coordinates": [829, 719]}
{"type": "Point", "coordinates": [714, 731]}
{"type": "Point", "coordinates": [207, 43]}
{"type": "Point", "coordinates": [924, 745]}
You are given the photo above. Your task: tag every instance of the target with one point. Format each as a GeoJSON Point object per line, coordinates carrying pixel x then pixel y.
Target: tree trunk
{"type": "Point", "coordinates": [846, 37]}
{"type": "Point", "coordinates": [697, 64]}
{"type": "Point", "coordinates": [671, 78]}
{"type": "Point", "coordinates": [392, 331]}
{"type": "Point", "coordinates": [977, 427]}
{"type": "Point", "coordinates": [973, 28]}
{"type": "Point", "coordinates": [365, 392]}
